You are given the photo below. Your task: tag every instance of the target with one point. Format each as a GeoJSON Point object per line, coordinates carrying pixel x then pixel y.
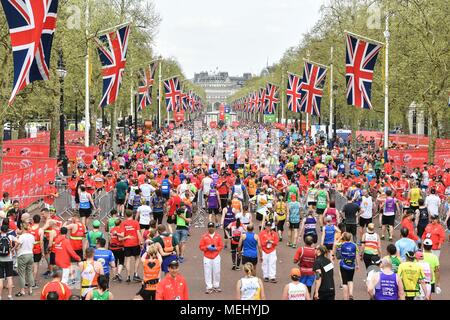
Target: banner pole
{"type": "Point", "coordinates": [386, 90]}
{"type": "Point", "coordinates": [86, 97]}
{"type": "Point", "coordinates": [330, 129]}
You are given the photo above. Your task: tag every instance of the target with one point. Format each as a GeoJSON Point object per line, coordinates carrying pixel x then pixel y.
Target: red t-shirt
{"type": "Point", "coordinates": [130, 228]}
{"type": "Point", "coordinates": [173, 203]}
{"type": "Point", "coordinates": [62, 289]}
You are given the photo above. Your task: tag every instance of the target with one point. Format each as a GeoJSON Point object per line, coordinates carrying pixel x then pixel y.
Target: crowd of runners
{"type": "Point", "coordinates": [282, 189]}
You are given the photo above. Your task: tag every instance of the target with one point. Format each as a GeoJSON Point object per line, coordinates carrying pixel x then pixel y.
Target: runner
{"type": "Point", "coordinates": [281, 211]}
{"type": "Point", "coordinates": [38, 234]}
{"type": "Point", "coordinates": [86, 205]}
{"type": "Point", "coordinates": [94, 234]}
{"type": "Point", "coordinates": [61, 289]}
{"type": "Point", "coordinates": [295, 290]}
{"type": "Point", "coordinates": [90, 270]}
{"type": "Point", "coordinates": [106, 258]}
{"type": "Point", "coordinates": [116, 246]}
{"type": "Point", "coordinates": [77, 233]}
{"type": "Point", "coordinates": [324, 282]}
{"type": "Point", "coordinates": [348, 265]}
{"type": "Point", "coordinates": [305, 257]}
{"type": "Point", "coordinates": [64, 254]}
{"type": "Point", "coordinates": [151, 262]}
{"type": "Point", "coordinates": [182, 229]}
{"type": "Point", "coordinates": [131, 235]}
{"type": "Point", "coordinates": [249, 246]}
{"type": "Point", "coordinates": [435, 232]}
{"type": "Point", "coordinates": [413, 278]}
{"type": "Point", "coordinates": [228, 217]}
{"type": "Point", "coordinates": [433, 261]}
{"type": "Point", "coordinates": [250, 287]}
{"type": "Point", "coordinates": [386, 284]}
{"type": "Point", "coordinates": [213, 205]}
{"type": "Point", "coordinates": [236, 229]}
{"type": "Point", "coordinates": [322, 201]}
{"type": "Point", "coordinates": [293, 218]}
{"type": "Point", "coordinates": [309, 227]}
{"type": "Point", "coordinates": [101, 292]}
{"type": "Point", "coordinates": [370, 245]}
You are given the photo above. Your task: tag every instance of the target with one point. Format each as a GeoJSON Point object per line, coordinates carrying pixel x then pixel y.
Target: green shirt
{"type": "Point", "coordinates": [292, 189]}
{"type": "Point", "coordinates": [321, 199]}
{"type": "Point", "coordinates": [112, 223]}
{"type": "Point", "coordinates": [433, 261]}
{"type": "Point", "coordinates": [92, 237]}
{"type": "Point", "coordinates": [395, 262]}
{"type": "Point", "coordinates": [121, 189]}
{"type": "Point", "coordinates": [170, 153]}
{"type": "Point", "coordinates": [377, 165]}
{"type": "Point", "coordinates": [96, 295]}
{"type": "Point", "coordinates": [295, 159]}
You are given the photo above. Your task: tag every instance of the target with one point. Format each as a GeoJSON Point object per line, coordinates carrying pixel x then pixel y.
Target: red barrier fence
{"type": "Point", "coordinates": [28, 184]}
{"type": "Point", "coordinates": [405, 139]}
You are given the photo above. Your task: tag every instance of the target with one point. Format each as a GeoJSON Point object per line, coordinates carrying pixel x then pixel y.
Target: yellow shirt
{"type": "Point", "coordinates": [415, 196]}
{"type": "Point", "coordinates": [411, 273]}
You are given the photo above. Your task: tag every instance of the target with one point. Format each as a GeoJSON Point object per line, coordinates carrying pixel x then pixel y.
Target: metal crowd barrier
{"type": "Point", "coordinates": [63, 204]}
{"type": "Point", "coordinates": [105, 203]}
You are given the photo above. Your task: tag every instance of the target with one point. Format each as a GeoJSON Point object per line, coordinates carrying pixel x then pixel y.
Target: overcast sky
{"type": "Point", "coordinates": [234, 35]}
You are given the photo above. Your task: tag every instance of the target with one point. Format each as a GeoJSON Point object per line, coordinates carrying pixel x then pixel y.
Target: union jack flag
{"type": "Point", "coordinates": [360, 59]}
{"type": "Point", "coordinates": [312, 88]}
{"type": "Point", "coordinates": [293, 92]}
{"type": "Point", "coordinates": [184, 102]}
{"type": "Point", "coordinates": [254, 99]}
{"type": "Point", "coordinates": [271, 99]}
{"type": "Point", "coordinates": [112, 50]}
{"type": "Point", "coordinates": [147, 79]}
{"type": "Point", "coordinates": [172, 89]}
{"type": "Point", "coordinates": [262, 94]}
{"type": "Point", "coordinates": [31, 27]}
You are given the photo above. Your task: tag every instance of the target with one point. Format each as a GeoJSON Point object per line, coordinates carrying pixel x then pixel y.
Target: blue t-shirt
{"type": "Point", "coordinates": [105, 257]}
{"type": "Point", "coordinates": [294, 212]}
{"type": "Point", "coordinates": [348, 253]}
{"type": "Point", "coordinates": [404, 245]}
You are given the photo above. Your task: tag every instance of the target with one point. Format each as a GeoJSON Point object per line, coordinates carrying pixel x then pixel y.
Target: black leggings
{"type": "Point", "coordinates": [367, 258]}
{"type": "Point", "coordinates": [158, 216]}
{"type": "Point", "coordinates": [235, 257]}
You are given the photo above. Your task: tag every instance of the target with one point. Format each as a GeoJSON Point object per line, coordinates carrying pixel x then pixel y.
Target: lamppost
{"type": "Point", "coordinates": [335, 92]}
{"type": "Point", "coordinates": [62, 73]}
{"type": "Point", "coordinates": [76, 111]}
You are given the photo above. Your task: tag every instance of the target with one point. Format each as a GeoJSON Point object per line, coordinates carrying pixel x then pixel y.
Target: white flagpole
{"type": "Point", "coordinates": [86, 109]}
{"type": "Point", "coordinates": [386, 89]}
{"type": "Point", "coordinates": [159, 94]}
{"type": "Point", "coordinates": [131, 97]}
{"type": "Point", "coordinates": [282, 97]}
{"type": "Point", "coordinates": [330, 130]}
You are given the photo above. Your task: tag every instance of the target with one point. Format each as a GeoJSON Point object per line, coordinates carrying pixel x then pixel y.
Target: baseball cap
{"type": "Point", "coordinates": [211, 225]}
{"type": "Point", "coordinates": [174, 263]}
{"type": "Point", "coordinates": [295, 272]}
{"type": "Point", "coordinates": [427, 242]}
{"type": "Point", "coordinates": [96, 223]}
{"type": "Point", "coordinates": [268, 224]}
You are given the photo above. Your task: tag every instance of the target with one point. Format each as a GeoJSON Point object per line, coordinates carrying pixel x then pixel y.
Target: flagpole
{"type": "Point", "coordinates": [330, 129]}
{"type": "Point", "coordinates": [386, 90]}
{"type": "Point", "coordinates": [131, 97]}
{"type": "Point", "coordinates": [281, 95]}
{"type": "Point", "coordinates": [99, 33]}
{"type": "Point", "coordinates": [363, 37]}
{"type": "Point", "coordinates": [86, 109]}
{"type": "Point", "coordinates": [159, 95]}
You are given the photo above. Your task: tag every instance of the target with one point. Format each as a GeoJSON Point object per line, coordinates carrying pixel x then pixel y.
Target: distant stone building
{"type": "Point", "coordinates": [219, 86]}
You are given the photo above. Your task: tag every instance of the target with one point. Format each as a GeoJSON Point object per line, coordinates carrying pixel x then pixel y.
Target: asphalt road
{"type": "Point", "coordinates": [192, 270]}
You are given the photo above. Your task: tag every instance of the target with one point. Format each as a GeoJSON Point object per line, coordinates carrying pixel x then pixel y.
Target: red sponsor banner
{"type": "Point", "coordinates": [41, 151]}
{"type": "Point", "coordinates": [418, 157]}
{"type": "Point", "coordinates": [280, 126]}
{"type": "Point", "coordinates": [27, 184]}
{"type": "Point", "coordinates": [16, 163]}
{"type": "Point", "coordinates": [178, 116]}
{"type": "Point", "coordinates": [404, 139]}
{"type": "Point", "coordinates": [235, 124]}
{"type": "Point", "coordinates": [222, 112]}
{"type": "Point", "coordinates": [44, 138]}
{"type": "Point", "coordinates": [213, 124]}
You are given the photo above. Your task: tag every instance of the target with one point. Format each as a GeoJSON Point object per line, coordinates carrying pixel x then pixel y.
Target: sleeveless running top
{"type": "Point", "coordinates": [297, 291]}
{"type": "Point", "coordinates": [250, 245]}
{"type": "Point", "coordinates": [96, 295]}
{"type": "Point", "coordinates": [88, 278]}
{"type": "Point", "coordinates": [212, 199]}
{"type": "Point", "coordinates": [329, 234]}
{"type": "Point", "coordinates": [310, 225]}
{"type": "Point", "coordinates": [229, 217]}
{"type": "Point", "coordinates": [84, 201]}
{"type": "Point", "coordinates": [250, 289]}
{"type": "Point", "coordinates": [371, 243]}
{"type": "Point", "coordinates": [387, 287]}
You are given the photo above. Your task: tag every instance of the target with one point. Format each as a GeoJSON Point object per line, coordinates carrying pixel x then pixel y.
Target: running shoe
{"type": "Point", "coordinates": [35, 286]}
{"type": "Point", "coordinates": [46, 273]}
{"type": "Point", "coordinates": [233, 268]}
{"type": "Point", "coordinates": [119, 277]}
{"type": "Point", "coordinates": [273, 280]}
{"type": "Point", "coordinates": [266, 279]}
{"type": "Point", "coordinates": [115, 278]}
{"type": "Point", "coordinates": [209, 291]}
{"type": "Point", "coordinates": [382, 237]}
{"type": "Point", "coordinates": [238, 268]}
{"type": "Point", "coordinates": [180, 259]}
{"type": "Point", "coordinates": [128, 280]}
{"type": "Point", "coordinates": [137, 278]}
{"type": "Point", "coordinates": [218, 290]}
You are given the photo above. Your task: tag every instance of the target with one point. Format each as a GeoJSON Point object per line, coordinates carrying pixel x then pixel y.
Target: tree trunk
{"type": "Point", "coordinates": [1, 143]}
{"type": "Point", "coordinates": [22, 132]}
{"type": "Point", "coordinates": [54, 130]}
{"type": "Point", "coordinates": [433, 136]}
{"type": "Point", "coordinates": [93, 125]}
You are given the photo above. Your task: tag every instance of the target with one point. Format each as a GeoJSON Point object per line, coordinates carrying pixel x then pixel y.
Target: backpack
{"type": "Point", "coordinates": [5, 246]}
{"type": "Point", "coordinates": [168, 247]}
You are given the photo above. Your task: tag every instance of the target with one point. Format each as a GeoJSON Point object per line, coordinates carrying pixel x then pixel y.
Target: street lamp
{"type": "Point", "coordinates": [62, 73]}
{"type": "Point", "coordinates": [335, 92]}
